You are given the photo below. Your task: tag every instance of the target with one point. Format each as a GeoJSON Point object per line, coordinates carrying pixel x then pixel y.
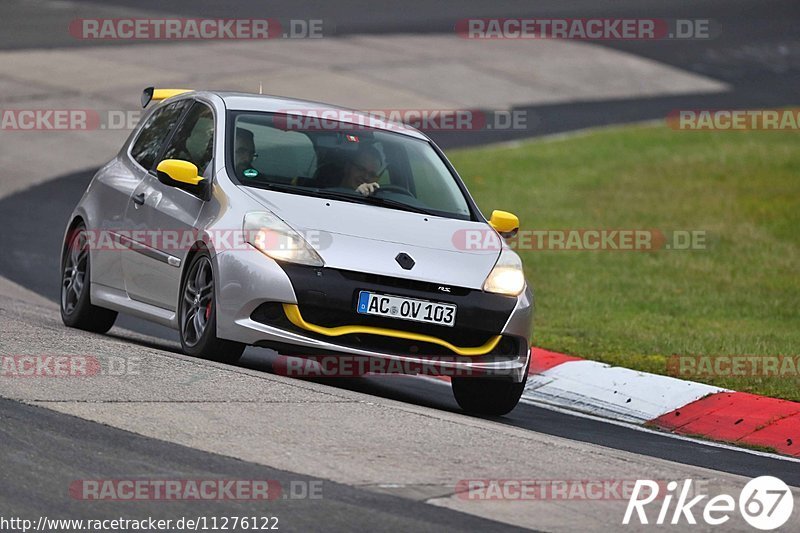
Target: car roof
{"type": "Point", "coordinates": [237, 101]}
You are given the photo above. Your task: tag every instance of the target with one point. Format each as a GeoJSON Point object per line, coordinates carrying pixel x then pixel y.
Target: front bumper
{"type": "Point", "coordinates": [253, 289]}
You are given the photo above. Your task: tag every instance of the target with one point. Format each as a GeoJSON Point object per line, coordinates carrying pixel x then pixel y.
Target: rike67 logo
{"type": "Point", "coordinates": [766, 503]}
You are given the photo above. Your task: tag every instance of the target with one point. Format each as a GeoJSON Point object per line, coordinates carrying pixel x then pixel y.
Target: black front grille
{"type": "Point", "coordinates": [328, 297]}
{"type": "Point", "coordinates": [336, 291]}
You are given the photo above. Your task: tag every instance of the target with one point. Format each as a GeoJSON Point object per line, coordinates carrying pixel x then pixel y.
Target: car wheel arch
{"type": "Point", "coordinates": [77, 220]}
{"type": "Point", "coordinates": [196, 248]}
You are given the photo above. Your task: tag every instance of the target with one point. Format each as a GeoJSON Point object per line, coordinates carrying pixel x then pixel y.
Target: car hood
{"type": "Point", "coordinates": [367, 238]}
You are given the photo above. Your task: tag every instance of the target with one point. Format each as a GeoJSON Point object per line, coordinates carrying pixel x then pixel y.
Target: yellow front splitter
{"type": "Point", "coordinates": [293, 314]}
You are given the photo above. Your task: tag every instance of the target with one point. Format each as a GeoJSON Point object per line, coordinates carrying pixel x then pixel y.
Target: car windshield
{"type": "Point", "coordinates": [342, 161]}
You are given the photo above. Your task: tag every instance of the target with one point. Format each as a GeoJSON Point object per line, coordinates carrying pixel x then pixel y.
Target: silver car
{"type": "Point", "coordinates": [242, 219]}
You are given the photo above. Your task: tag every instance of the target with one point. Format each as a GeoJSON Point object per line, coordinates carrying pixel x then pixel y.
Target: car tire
{"type": "Point", "coordinates": [77, 310]}
{"type": "Point", "coordinates": [487, 396]}
{"type": "Point", "coordinates": [197, 315]}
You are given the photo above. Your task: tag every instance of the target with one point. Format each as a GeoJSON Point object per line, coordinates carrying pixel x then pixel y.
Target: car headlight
{"type": "Point", "coordinates": [273, 237]}
{"type": "Point", "coordinates": [507, 276]}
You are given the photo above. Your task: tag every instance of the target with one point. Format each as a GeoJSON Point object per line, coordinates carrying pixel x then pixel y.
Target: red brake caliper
{"type": "Point", "coordinates": [208, 310]}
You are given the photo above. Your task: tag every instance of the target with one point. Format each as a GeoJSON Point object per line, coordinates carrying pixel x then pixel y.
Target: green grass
{"type": "Point", "coordinates": [739, 296]}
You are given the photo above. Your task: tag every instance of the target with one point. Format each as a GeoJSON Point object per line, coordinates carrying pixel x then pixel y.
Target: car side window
{"type": "Point", "coordinates": [146, 147]}
{"type": "Point", "coordinates": [194, 139]}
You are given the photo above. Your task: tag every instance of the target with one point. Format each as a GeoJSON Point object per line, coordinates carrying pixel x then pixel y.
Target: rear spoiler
{"type": "Point", "coordinates": [151, 93]}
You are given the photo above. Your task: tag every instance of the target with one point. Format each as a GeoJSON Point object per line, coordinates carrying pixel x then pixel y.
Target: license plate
{"type": "Point", "coordinates": [370, 303]}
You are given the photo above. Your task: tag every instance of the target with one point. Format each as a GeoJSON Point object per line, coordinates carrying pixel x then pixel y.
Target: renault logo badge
{"type": "Point", "coordinates": [405, 261]}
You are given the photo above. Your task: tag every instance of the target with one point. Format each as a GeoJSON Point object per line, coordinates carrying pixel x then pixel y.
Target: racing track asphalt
{"type": "Point", "coordinates": [33, 263]}
{"type": "Point", "coordinates": [757, 54]}
{"type": "Point", "coordinates": [45, 451]}
{"type": "Point", "coordinates": [757, 51]}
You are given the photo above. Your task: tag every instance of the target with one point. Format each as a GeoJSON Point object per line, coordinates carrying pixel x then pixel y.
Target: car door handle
{"type": "Point", "coordinates": [139, 199]}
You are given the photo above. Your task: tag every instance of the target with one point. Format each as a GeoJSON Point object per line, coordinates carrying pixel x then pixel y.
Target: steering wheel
{"type": "Point", "coordinates": [393, 188]}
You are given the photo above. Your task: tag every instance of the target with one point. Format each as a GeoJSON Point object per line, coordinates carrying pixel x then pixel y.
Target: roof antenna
{"type": "Point", "coordinates": [260, 89]}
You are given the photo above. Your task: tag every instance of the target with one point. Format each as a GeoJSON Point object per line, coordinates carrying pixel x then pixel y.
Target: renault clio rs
{"type": "Point", "coordinates": [241, 219]}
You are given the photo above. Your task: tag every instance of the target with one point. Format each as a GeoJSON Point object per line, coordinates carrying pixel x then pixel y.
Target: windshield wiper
{"type": "Point", "coordinates": [374, 200]}
{"type": "Point", "coordinates": [387, 202]}
{"type": "Point", "coordinates": [335, 195]}
{"type": "Point", "coordinates": [285, 187]}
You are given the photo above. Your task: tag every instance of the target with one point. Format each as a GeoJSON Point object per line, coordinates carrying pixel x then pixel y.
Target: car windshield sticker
{"type": "Point", "coordinates": [250, 173]}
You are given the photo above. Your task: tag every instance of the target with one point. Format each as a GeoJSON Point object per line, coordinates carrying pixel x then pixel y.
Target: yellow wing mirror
{"type": "Point", "coordinates": [180, 171]}
{"type": "Point", "coordinates": [505, 223]}
{"type": "Point", "coordinates": [183, 175]}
